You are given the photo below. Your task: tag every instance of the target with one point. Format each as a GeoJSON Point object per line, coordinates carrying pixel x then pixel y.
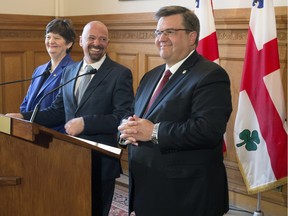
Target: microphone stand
{"type": "Point", "coordinates": [16, 81]}
{"type": "Point", "coordinates": [37, 107]}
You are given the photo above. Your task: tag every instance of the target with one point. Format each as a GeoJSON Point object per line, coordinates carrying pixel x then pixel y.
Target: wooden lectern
{"type": "Point", "coordinates": [43, 172]}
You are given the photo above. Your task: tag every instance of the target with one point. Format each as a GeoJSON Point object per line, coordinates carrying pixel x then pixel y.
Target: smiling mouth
{"type": "Point", "coordinates": [165, 45]}
{"type": "Point", "coordinates": [95, 49]}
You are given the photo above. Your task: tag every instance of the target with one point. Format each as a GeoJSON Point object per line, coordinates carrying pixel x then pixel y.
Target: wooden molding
{"type": "Point", "coordinates": [9, 180]}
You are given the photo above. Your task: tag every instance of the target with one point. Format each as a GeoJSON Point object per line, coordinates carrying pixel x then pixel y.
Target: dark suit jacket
{"type": "Point", "coordinates": [37, 90]}
{"type": "Point", "coordinates": [186, 168]}
{"type": "Point", "coordinates": [107, 98]}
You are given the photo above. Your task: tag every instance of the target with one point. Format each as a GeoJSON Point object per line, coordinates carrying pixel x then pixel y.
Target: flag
{"type": "Point", "coordinates": [207, 45]}
{"type": "Point", "coordinates": [260, 131]}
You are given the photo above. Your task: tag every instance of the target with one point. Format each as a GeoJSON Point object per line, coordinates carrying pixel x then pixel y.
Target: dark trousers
{"type": "Point", "coordinates": [102, 195]}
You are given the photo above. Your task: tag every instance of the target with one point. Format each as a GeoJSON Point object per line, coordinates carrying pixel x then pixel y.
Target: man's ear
{"type": "Point", "coordinates": [80, 41]}
{"type": "Point", "coordinates": [193, 36]}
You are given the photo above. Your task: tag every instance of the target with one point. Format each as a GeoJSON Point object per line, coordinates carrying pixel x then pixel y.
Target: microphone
{"type": "Point", "coordinates": [45, 73]}
{"type": "Point", "coordinates": [36, 109]}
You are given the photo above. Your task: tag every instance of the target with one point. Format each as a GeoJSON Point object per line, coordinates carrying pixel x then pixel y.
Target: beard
{"type": "Point", "coordinates": [96, 52]}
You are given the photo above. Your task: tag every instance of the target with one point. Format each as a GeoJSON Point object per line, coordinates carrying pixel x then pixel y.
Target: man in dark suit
{"type": "Point", "coordinates": [175, 146]}
{"type": "Point", "coordinates": [97, 114]}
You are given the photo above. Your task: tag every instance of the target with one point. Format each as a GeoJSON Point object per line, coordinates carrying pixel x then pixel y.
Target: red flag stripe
{"type": "Point", "coordinates": [262, 103]}
{"type": "Point", "coordinates": [208, 47]}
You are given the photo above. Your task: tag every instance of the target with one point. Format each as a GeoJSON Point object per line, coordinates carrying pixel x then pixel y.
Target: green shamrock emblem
{"type": "Point", "coordinates": [249, 140]}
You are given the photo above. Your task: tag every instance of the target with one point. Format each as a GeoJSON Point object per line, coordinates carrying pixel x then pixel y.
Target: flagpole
{"type": "Point", "coordinates": [258, 211]}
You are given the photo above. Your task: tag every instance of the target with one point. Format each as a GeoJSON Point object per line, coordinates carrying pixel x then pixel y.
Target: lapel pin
{"type": "Point", "coordinates": [54, 75]}
{"type": "Point", "coordinates": [184, 72]}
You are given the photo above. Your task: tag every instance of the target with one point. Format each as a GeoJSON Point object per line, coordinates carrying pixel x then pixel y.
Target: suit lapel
{"type": "Point", "coordinates": [175, 79]}
{"type": "Point", "coordinates": [148, 91]}
{"type": "Point", "coordinates": [55, 74]}
{"type": "Point", "coordinates": [41, 89]}
{"type": "Point", "coordinates": [180, 74]}
{"type": "Point", "coordinates": [74, 73]}
{"type": "Point", "coordinates": [100, 75]}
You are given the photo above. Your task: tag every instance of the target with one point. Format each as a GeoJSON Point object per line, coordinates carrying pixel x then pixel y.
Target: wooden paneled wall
{"type": "Point", "coordinates": [132, 44]}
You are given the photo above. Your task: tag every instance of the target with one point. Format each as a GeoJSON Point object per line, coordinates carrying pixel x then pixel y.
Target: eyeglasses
{"type": "Point", "coordinates": [169, 32]}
